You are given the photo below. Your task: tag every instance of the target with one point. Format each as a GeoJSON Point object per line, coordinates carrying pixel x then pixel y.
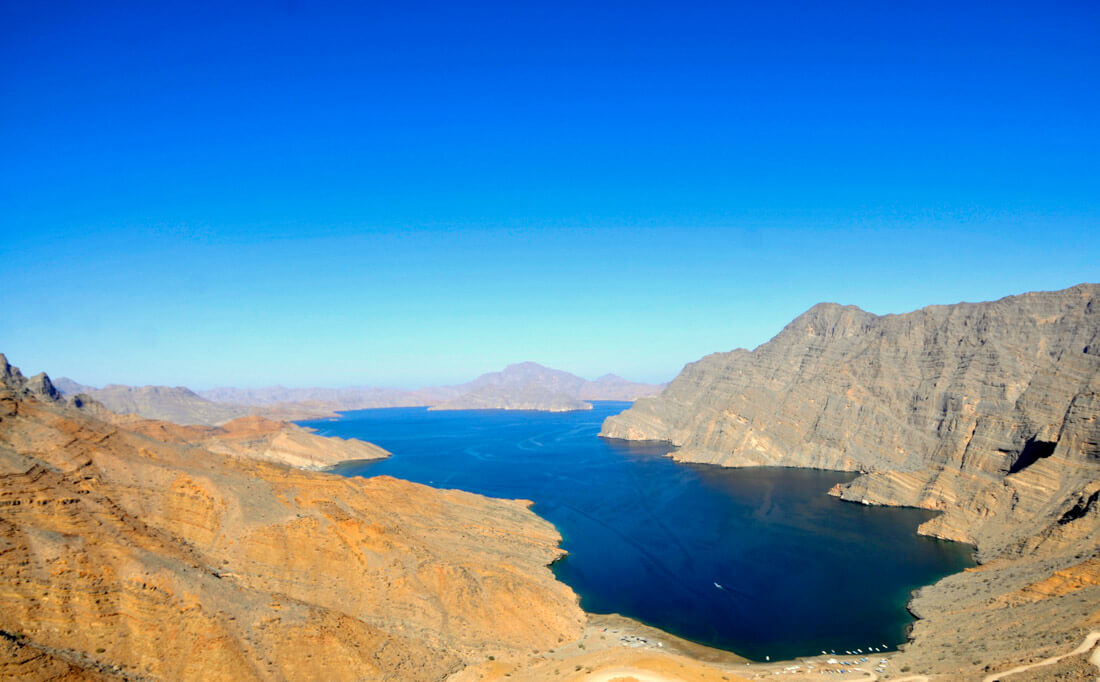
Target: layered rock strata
{"type": "Point", "coordinates": [987, 412]}
{"type": "Point", "coordinates": [129, 555]}
{"type": "Point", "coordinates": [259, 438]}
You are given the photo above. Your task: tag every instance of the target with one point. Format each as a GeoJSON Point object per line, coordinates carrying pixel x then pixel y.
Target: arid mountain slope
{"type": "Point", "coordinates": [613, 387]}
{"type": "Point", "coordinates": [988, 412]}
{"type": "Point", "coordinates": [152, 557]}
{"type": "Point", "coordinates": [169, 403]}
{"type": "Point", "coordinates": [258, 438]}
{"type": "Point", "coordinates": [357, 398]}
{"type": "Point", "coordinates": [70, 387]}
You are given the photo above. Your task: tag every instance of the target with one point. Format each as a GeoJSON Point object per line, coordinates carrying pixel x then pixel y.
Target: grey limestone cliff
{"type": "Point", "coordinates": [988, 412]}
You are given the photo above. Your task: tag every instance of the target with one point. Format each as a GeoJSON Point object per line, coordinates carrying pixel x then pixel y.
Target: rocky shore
{"type": "Point", "coordinates": [986, 412]}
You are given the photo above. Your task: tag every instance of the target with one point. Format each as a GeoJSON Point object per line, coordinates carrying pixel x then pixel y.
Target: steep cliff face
{"type": "Point", "coordinates": [1000, 394]}
{"type": "Point", "coordinates": [988, 412]}
{"type": "Point", "coordinates": [125, 554]}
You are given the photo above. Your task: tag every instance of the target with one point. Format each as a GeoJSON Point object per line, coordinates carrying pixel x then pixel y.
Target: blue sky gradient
{"type": "Point", "coordinates": [339, 194]}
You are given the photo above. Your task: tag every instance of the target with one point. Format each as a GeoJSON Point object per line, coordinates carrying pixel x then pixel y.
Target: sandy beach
{"type": "Point", "coordinates": [614, 648]}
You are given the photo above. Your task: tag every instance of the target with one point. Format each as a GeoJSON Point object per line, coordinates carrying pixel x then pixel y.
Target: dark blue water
{"type": "Point", "coordinates": [648, 538]}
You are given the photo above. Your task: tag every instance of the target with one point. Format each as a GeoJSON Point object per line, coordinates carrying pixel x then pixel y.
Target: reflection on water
{"type": "Point", "coordinates": [759, 561]}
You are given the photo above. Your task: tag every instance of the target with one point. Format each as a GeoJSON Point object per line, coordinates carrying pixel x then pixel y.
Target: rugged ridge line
{"type": "Point", "coordinates": [521, 386]}
{"type": "Point", "coordinates": [988, 412]}
{"type": "Point", "coordinates": [131, 549]}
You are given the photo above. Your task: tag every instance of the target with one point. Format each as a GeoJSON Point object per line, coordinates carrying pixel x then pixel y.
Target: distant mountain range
{"type": "Point", "coordinates": [530, 386]}
{"type": "Point", "coordinates": [174, 404]}
{"type": "Point", "coordinates": [522, 386]}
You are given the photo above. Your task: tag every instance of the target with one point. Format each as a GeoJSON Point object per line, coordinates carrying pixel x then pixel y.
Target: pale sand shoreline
{"type": "Point", "coordinates": [615, 648]}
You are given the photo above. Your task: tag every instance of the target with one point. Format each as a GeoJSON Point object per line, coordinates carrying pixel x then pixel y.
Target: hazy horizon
{"type": "Point", "coordinates": [432, 384]}
{"type": "Point", "coordinates": [413, 195]}
{"type": "Point", "coordinates": [404, 387]}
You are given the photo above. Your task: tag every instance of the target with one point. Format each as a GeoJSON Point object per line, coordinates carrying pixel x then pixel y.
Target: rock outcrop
{"type": "Point", "coordinates": [987, 412]}
{"type": "Point", "coordinates": [129, 551]}
{"type": "Point", "coordinates": [259, 438]}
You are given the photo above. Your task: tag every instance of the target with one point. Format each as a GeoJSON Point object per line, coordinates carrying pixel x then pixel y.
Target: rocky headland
{"type": "Point", "coordinates": [132, 549]}
{"type": "Point", "coordinates": [986, 412]}
{"type": "Point", "coordinates": [258, 438]}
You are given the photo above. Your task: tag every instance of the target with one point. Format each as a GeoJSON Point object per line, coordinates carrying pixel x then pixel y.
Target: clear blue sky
{"type": "Point", "coordinates": [408, 194]}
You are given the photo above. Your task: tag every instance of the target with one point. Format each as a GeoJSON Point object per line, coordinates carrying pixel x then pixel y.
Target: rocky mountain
{"type": "Point", "coordinates": [988, 412]}
{"type": "Point", "coordinates": [356, 398]}
{"type": "Point", "coordinates": [181, 405]}
{"type": "Point", "coordinates": [133, 550]}
{"type": "Point", "coordinates": [523, 386]}
{"type": "Point", "coordinates": [531, 386]}
{"type": "Point", "coordinates": [70, 387]}
{"type": "Point", "coordinates": [613, 387]}
{"type": "Point", "coordinates": [169, 403]}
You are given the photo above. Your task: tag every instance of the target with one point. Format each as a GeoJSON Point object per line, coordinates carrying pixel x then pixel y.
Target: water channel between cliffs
{"type": "Point", "coordinates": [757, 561]}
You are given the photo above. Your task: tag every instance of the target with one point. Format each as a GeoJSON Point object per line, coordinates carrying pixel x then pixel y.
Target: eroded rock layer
{"type": "Point", "coordinates": [988, 412]}
{"type": "Point", "coordinates": [153, 557]}
{"type": "Point", "coordinates": [257, 437]}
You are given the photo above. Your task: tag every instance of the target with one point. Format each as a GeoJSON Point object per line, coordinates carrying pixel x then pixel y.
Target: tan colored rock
{"type": "Point", "coordinates": [257, 437]}
{"type": "Point", "coordinates": [150, 556]}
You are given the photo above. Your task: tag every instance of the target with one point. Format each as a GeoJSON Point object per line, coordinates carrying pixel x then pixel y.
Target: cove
{"type": "Point", "coordinates": [761, 562]}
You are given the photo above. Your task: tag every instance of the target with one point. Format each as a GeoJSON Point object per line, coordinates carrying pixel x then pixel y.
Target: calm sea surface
{"type": "Point", "coordinates": [758, 561]}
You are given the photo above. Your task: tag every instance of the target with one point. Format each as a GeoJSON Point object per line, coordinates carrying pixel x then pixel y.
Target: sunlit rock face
{"type": "Point", "coordinates": [135, 550]}
{"type": "Point", "coordinates": [988, 412]}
